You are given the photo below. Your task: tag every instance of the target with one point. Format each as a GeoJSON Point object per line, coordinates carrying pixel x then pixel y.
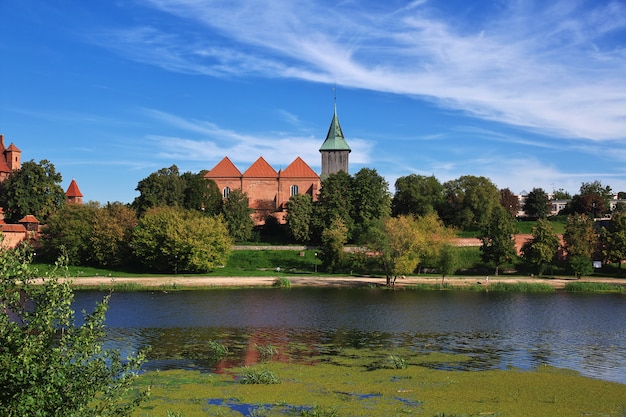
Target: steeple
{"type": "Point", "coordinates": [335, 149]}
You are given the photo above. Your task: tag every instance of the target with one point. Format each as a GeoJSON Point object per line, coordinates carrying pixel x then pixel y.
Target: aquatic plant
{"type": "Point", "coordinates": [216, 349]}
{"type": "Point", "coordinates": [389, 362]}
{"type": "Point", "coordinates": [258, 376]}
{"type": "Point", "coordinates": [267, 352]}
{"type": "Point", "coordinates": [282, 282]}
{"type": "Point", "coordinates": [594, 287]}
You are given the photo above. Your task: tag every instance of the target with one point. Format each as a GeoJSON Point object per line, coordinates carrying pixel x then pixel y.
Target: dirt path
{"type": "Point", "coordinates": [319, 281]}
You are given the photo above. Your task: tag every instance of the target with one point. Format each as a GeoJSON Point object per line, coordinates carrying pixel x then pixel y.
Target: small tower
{"type": "Point", "coordinates": [335, 149]}
{"type": "Point", "coordinates": [73, 194]}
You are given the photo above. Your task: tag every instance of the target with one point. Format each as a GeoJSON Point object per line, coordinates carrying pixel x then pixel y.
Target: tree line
{"type": "Point", "coordinates": [181, 223]}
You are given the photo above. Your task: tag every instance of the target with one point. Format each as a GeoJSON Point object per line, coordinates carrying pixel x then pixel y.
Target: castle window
{"type": "Point", "coordinates": [293, 190]}
{"type": "Point", "coordinates": [226, 192]}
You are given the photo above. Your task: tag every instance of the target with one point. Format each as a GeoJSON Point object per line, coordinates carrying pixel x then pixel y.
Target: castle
{"type": "Point", "coordinates": [269, 190]}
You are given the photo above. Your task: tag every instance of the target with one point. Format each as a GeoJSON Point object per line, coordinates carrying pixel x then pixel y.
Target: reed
{"type": "Point", "coordinates": [594, 287]}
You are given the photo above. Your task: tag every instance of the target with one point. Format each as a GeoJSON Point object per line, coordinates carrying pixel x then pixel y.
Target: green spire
{"type": "Point", "coordinates": [334, 139]}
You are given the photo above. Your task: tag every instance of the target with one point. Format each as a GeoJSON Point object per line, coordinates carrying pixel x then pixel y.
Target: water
{"type": "Point", "coordinates": [586, 333]}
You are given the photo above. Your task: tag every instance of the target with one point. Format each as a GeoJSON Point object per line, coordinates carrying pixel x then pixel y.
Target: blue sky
{"type": "Point", "coordinates": [527, 93]}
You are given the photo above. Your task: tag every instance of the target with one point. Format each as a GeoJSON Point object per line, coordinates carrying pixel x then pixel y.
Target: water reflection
{"type": "Point", "coordinates": [498, 331]}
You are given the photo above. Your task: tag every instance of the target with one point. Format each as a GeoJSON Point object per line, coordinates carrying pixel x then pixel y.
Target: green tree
{"type": "Point", "coordinates": [580, 236]}
{"type": "Point", "coordinates": [165, 187]}
{"type": "Point", "coordinates": [169, 239]}
{"type": "Point", "coordinates": [543, 247]}
{"type": "Point", "coordinates": [201, 194]}
{"type": "Point", "coordinates": [334, 201]}
{"type": "Point", "coordinates": [33, 189]}
{"type": "Point", "coordinates": [537, 204]}
{"type": "Point", "coordinates": [69, 229]}
{"type": "Point", "coordinates": [371, 202]}
{"type": "Point", "coordinates": [237, 215]}
{"type": "Point", "coordinates": [614, 239]}
{"type": "Point", "coordinates": [111, 233]}
{"type": "Point", "coordinates": [469, 202]}
{"type": "Point", "coordinates": [498, 246]}
{"type": "Point", "coordinates": [331, 248]}
{"type": "Point", "coordinates": [299, 217]}
{"type": "Point", "coordinates": [49, 366]}
{"type": "Point", "coordinates": [509, 201]}
{"type": "Point", "coordinates": [417, 195]}
{"type": "Point", "coordinates": [580, 265]}
{"type": "Point", "coordinates": [448, 262]}
{"type": "Point", "coordinates": [561, 194]}
{"type": "Point", "coordinates": [593, 200]}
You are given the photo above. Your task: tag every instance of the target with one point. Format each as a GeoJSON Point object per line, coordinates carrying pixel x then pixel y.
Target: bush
{"type": "Point", "coordinates": [258, 376]}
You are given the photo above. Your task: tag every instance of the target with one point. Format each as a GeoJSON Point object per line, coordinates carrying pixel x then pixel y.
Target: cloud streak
{"type": "Point", "coordinates": [555, 68]}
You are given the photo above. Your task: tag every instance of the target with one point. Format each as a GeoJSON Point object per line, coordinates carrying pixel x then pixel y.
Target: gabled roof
{"type": "Point", "coordinates": [72, 190]}
{"type": "Point", "coordinates": [29, 219]}
{"type": "Point", "coordinates": [224, 169]}
{"type": "Point", "coordinates": [334, 139]}
{"type": "Point", "coordinates": [298, 169]}
{"type": "Point", "coordinates": [260, 168]}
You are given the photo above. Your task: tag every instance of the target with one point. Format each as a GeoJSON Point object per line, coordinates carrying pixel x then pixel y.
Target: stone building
{"type": "Point", "coordinates": [269, 190]}
{"type": "Point", "coordinates": [10, 159]}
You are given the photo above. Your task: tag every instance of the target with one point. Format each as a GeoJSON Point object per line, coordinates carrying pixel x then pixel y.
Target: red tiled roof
{"type": "Point", "coordinates": [298, 169]}
{"type": "Point", "coordinates": [72, 190]}
{"type": "Point", "coordinates": [29, 219]}
{"type": "Point", "coordinates": [12, 228]}
{"type": "Point", "coordinates": [224, 169]}
{"type": "Point", "coordinates": [4, 167]}
{"type": "Point", "coordinates": [13, 148]}
{"type": "Point", "coordinates": [260, 169]}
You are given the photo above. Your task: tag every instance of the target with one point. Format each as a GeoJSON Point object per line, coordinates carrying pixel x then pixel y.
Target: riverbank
{"type": "Point", "coordinates": [325, 281]}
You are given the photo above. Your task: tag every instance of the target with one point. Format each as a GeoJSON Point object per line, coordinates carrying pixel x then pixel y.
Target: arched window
{"type": "Point", "coordinates": [293, 190]}
{"type": "Point", "coordinates": [226, 192]}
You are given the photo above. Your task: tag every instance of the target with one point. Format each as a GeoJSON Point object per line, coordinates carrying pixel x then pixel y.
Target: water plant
{"type": "Point", "coordinates": [389, 362]}
{"type": "Point", "coordinates": [216, 349]}
{"type": "Point", "coordinates": [258, 376]}
{"type": "Point", "coordinates": [267, 352]}
{"type": "Point", "coordinates": [594, 287]}
{"type": "Point", "coordinates": [282, 282]}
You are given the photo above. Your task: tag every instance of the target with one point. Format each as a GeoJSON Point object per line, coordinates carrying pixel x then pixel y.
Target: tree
{"type": "Point", "coordinates": [201, 194]}
{"type": "Point", "coordinates": [371, 201]}
{"type": "Point", "coordinates": [561, 194]}
{"type": "Point", "coordinates": [162, 188]}
{"type": "Point", "coordinates": [497, 239]}
{"type": "Point", "coordinates": [69, 230]}
{"type": "Point", "coordinates": [469, 201]}
{"type": "Point", "coordinates": [448, 261]}
{"type": "Point", "coordinates": [112, 230]}
{"type": "Point", "coordinates": [331, 248]}
{"type": "Point", "coordinates": [537, 204]}
{"type": "Point", "coordinates": [33, 189]}
{"type": "Point", "coordinates": [542, 248]}
{"type": "Point", "coordinates": [593, 200]}
{"type": "Point", "coordinates": [417, 195]}
{"type": "Point", "coordinates": [334, 201]}
{"type": "Point", "coordinates": [580, 243]}
{"type": "Point", "coordinates": [509, 201]}
{"type": "Point", "coordinates": [614, 239]}
{"type": "Point", "coordinates": [237, 215]}
{"type": "Point", "coordinates": [299, 217]}
{"type": "Point", "coordinates": [169, 239]}
{"type": "Point", "coordinates": [49, 366]}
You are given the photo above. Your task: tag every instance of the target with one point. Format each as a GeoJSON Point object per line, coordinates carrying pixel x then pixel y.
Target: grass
{"type": "Point", "coordinates": [520, 287]}
{"type": "Point", "coordinates": [345, 386]}
{"type": "Point", "coordinates": [595, 287]}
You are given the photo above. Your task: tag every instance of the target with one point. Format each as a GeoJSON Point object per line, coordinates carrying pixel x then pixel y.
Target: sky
{"type": "Point", "coordinates": [531, 94]}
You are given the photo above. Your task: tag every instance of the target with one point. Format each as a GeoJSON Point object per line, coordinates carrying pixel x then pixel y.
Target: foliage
{"type": "Point", "coordinates": [561, 194]}
{"type": "Point", "coordinates": [509, 201]}
{"type": "Point", "coordinates": [417, 195]}
{"type": "Point", "coordinates": [33, 189]}
{"type": "Point", "coordinates": [580, 265]}
{"type": "Point", "coordinates": [111, 233]}
{"type": "Point", "coordinates": [299, 217]}
{"type": "Point", "coordinates": [614, 239]}
{"type": "Point", "coordinates": [469, 202]}
{"type": "Point", "coordinates": [542, 248]}
{"type": "Point", "coordinates": [267, 352]}
{"type": "Point", "coordinates": [593, 200]}
{"type": "Point", "coordinates": [580, 236]}
{"type": "Point", "coordinates": [334, 202]}
{"type": "Point", "coordinates": [537, 204]}
{"type": "Point", "coordinates": [517, 287]}
{"type": "Point", "coordinates": [448, 262]}
{"type": "Point", "coordinates": [201, 194]}
{"type": "Point", "coordinates": [589, 287]}
{"type": "Point", "coordinates": [331, 249]}
{"type": "Point", "coordinates": [162, 188]}
{"type": "Point", "coordinates": [70, 229]}
{"type": "Point", "coordinates": [282, 282]}
{"type": "Point", "coordinates": [497, 241]}
{"type": "Point", "coordinates": [217, 350]}
{"type": "Point", "coordinates": [49, 365]}
{"type": "Point", "coordinates": [167, 239]}
{"type": "Point", "coordinates": [237, 215]}
{"type": "Point", "coordinates": [389, 362]}
{"type": "Point", "coordinates": [258, 376]}
{"type": "Point", "coordinates": [370, 202]}
{"type": "Point", "coordinates": [403, 242]}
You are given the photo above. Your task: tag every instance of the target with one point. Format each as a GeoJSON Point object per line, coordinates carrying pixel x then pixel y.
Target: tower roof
{"type": "Point", "coordinates": [334, 139]}
{"type": "Point", "coordinates": [72, 190]}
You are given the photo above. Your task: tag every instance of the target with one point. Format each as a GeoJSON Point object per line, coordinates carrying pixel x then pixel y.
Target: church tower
{"type": "Point", "coordinates": [334, 150]}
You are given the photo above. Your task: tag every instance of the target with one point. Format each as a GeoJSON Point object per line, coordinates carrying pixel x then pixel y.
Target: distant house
{"type": "Point", "coordinates": [269, 190]}
{"type": "Point", "coordinates": [27, 229]}
{"type": "Point", "coordinates": [10, 159]}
